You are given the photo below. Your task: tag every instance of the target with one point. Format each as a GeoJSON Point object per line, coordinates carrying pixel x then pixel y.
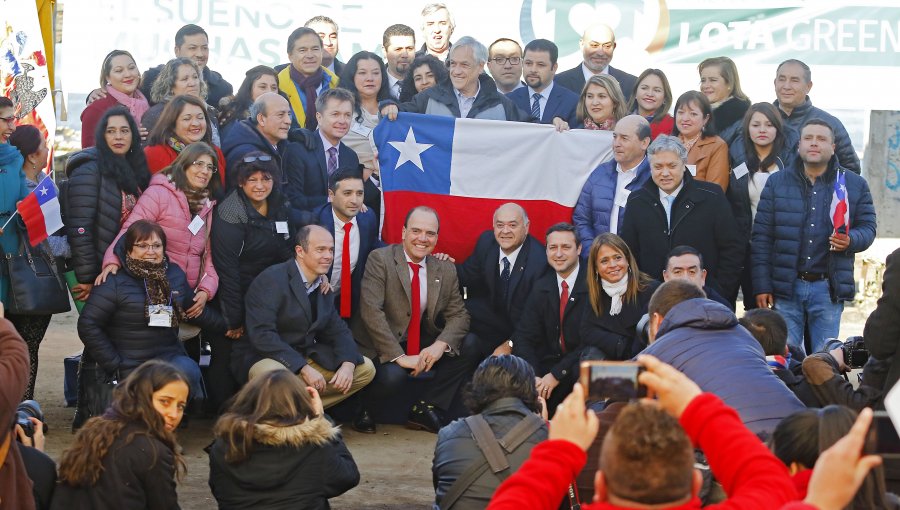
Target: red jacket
{"type": "Point", "coordinates": [752, 477]}
{"type": "Point", "coordinates": [161, 156]}
{"type": "Point", "coordinates": [90, 117]}
{"type": "Point", "coordinates": [662, 127]}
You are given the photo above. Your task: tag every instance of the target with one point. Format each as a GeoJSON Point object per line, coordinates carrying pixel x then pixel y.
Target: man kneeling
{"type": "Point", "coordinates": [293, 325]}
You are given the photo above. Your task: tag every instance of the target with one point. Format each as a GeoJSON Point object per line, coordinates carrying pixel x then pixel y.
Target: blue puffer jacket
{"type": "Point", "coordinates": [777, 232]}
{"type": "Point", "coordinates": [703, 340]}
{"type": "Point", "coordinates": [595, 203]}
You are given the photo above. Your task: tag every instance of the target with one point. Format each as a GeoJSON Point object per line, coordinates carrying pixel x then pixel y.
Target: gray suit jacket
{"type": "Point", "coordinates": [385, 305]}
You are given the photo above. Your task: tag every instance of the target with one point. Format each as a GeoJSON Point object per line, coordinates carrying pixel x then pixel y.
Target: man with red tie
{"type": "Point", "coordinates": [548, 336]}
{"type": "Point", "coordinates": [414, 322]}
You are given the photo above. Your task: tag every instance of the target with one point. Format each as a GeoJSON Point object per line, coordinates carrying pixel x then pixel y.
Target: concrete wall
{"type": "Point", "coordinates": [882, 164]}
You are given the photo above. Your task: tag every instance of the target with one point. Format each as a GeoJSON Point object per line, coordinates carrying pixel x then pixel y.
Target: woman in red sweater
{"type": "Point", "coordinates": [652, 99]}
{"type": "Point", "coordinates": [183, 121]}
{"type": "Point", "coordinates": [120, 79]}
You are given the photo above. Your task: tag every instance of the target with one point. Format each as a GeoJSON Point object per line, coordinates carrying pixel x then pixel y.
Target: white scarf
{"type": "Point", "coordinates": [615, 291]}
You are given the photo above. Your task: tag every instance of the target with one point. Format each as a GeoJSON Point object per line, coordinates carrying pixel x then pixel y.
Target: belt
{"type": "Point", "coordinates": [811, 277]}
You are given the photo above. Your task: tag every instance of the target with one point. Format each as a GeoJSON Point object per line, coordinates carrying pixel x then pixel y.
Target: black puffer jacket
{"type": "Point", "coordinates": [93, 212]}
{"type": "Point", "coordinates": [244, 243]}
{"type": "Point", "coordinates": [113, 327]}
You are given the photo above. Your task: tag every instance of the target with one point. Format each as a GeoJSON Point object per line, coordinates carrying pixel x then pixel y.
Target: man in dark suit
{"type": "Point", "coordinates": [673, 209]}
{"type": "Point", "coordinates": [548, 335]}
{"type": "Point", "coordinates": [598, 43]}
{"type": "Point", "coordinates": [403, 281]}
{"type": "Point", "coordinates": [542, 98]}
{"type": "Point", "coordinates": [498, 278]}
{"type": "Point", "coordinates": [292, 325]}
{"type": "Point", "coordinates": [328, 32]}
{"type": "Point", "coordinates": [307, 186]}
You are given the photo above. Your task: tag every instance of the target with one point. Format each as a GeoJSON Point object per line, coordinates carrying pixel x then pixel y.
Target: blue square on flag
{"type": "Point", "coordinates": [45, 192]}
{"type": "Point", "coordinates": [416, 156]}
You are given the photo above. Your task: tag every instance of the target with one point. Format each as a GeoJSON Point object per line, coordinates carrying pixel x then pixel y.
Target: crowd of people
{"type": "Point", "coordinates": [247, 225]}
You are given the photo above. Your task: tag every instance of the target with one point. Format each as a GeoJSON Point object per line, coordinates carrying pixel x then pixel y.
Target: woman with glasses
{"type": "Point", "coordinates": [180, 200]}
{"type": "Point", "coordinates": [250, 233]}
{"type": "Point", "coordinates": [183, 121]}
{"type": "Point", "coordinates": [121, 80]}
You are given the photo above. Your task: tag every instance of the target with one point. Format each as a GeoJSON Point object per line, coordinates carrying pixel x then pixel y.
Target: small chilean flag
{"type": "Point", "coordinates": [840, 212]}
{"type": "Point", "coordinates": [40, 211]}
{"type": "Point", "coordinates": [466, 168]}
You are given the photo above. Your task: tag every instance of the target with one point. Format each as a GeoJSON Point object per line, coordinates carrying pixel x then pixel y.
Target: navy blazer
{"type": "Point", "coordinates": [561, 103]}
{"type": "Point", "coordinates": [307, 182]}
{"type": "Point", "coordinates": [494, 319]}
{"type": "Point", "coordinates": [573, 79]}
{"type": "Point", "coordinates": [368, 241]}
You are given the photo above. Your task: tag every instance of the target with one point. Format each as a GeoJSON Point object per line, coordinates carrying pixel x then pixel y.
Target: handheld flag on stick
{"type": "Point", "coordinates": [40, 211]}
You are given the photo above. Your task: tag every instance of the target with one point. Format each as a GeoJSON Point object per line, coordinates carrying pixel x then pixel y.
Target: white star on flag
{"type": "Point", "coordinates": [410, 150]}
{"type": "Point", "coordinates": [44, 190]}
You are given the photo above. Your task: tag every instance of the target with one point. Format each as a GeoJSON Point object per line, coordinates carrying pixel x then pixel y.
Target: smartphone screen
{"type": "Point", "coordinates": [883, 437]}
{"type": "Point", "coordinates": [612, 380]}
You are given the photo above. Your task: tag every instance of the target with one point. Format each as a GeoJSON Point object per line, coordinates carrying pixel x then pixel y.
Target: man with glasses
{"type": "Point", "coordinates": [470, 93]}
{"type": "Point", "coordinates": [598, 43]}
{"type": "Point", "coordinates": [542, 99]}
{"type": "Point", "coordinates": [505, 64]}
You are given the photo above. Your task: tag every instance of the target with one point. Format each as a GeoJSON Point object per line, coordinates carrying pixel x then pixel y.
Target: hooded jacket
{"type": "Point", "coordinates": [703, 340]}
{"type": "Point", "coordinates": [296, 466]}
{"type": "Point", "coordinates": [163, 203]}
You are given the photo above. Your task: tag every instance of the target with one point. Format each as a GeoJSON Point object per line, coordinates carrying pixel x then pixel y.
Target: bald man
{"type": "Point", "coordinates": [497, 278]}
{"type": "Point", "coordinates": [598, 44]}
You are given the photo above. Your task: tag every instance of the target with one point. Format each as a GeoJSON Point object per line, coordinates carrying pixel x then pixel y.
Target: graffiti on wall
{"type": "Point", "coordinates": [892, 169]}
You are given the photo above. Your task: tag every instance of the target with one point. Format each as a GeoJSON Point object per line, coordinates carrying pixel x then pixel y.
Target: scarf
{"type": "Point", "coordinates": [776, 362]}
{"type": "Point", "coordinates": [720, 103]}
{"type": "Point", "coordinates": [196, 199]}
{"type": "Point", "coordinates": [176, 144]}
{"type": "Point", "coordinates": [156, 283]}
{"type": "Point", "coordinates": [615, 291]}
{"type": "Point", "coordinates": [308, 85]}
{"type": "Point", "coordinates": [136, 104]}
{"type": "Point", "coordinates": [606, 125]}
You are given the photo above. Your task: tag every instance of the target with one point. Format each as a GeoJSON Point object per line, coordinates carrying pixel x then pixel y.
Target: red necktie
{"type": "Point", "coordinates": [346, 284]}
{"type": "Point", "coordinates": [563, 299]}
{"type": "Point", "coordinates": [412, 333]}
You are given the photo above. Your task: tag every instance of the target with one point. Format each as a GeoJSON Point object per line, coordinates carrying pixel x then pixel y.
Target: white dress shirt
{"type": "Point", "coordinates": [588, 73]}
{"type": "Point", "coordinates": [394, 86]}
{"type": "Point", "coordinates": [623, 179]}
{"type": "Point", "coordinates": [339, 248]}
{"type": "Point", "coordinates": [465, 103]}
{"type": "Point", "coordinates": [542, 102]}
{"type": "Point", "coordinates": [511, 257]}
{"type": "Point", "coordinates": [423, 281]}
{"type": "Point", "coordinates": [570, 281]}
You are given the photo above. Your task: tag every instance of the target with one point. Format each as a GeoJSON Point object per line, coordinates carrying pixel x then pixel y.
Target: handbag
{"type": "Point", "coordinates": [35, 285]}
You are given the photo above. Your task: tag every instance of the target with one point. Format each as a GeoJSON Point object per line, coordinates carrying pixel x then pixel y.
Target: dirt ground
{"type": "Point", "coordinates": [395, 464]}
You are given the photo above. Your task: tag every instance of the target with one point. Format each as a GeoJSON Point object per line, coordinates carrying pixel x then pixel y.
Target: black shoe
{"type": "Point", "coordinates": [423, 416]}
{"type": "Point", "coordinates": [363, 422]}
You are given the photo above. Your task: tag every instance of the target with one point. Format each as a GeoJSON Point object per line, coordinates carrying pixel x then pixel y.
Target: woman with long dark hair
{"type": "Point", "coordinates": [276, 449]}
{"type": "Point", "coordinates": [129, 457]}
{"type": "Point", "coordinates": [257, 81]}
{"type": "Point", "coordinates": [652, 99]}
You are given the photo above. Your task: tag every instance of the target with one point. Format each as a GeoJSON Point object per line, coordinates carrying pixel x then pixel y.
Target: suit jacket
{"type": "Point", "coordinates": [561, 103]}
{"type": "Point", "coordinates": [385, 305]}
{"type": "Point", "coordinates": [280, 324]}
{"type": "Point", "coordinates": [494, 319]}
{"type": "Point", "coordinates": [536, 339]}
{"type": "Point", "coordinates": [307, 182]}
{"type": "Point", "coordinates": [368, 241]}
{"type": "Point", "coordinates": [573, 79]}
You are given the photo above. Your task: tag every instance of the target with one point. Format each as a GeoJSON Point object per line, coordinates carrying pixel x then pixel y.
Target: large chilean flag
{"type": "Point", "coordinates": [466, 168]}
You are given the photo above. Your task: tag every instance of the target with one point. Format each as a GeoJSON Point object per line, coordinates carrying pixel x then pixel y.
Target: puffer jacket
{"type": "Point", "coordinates": [456, 450]}
{"type": "Point", "coordinates": [297, 466]}
{"type": "Point", "coordinates": [113, 326]}
{"type": "Point", "coordinates": [164, 204]}
{"type": "Point", "coordinates": [595, 203]}
{"type": "Point", "coordinates": [778, 231]}
{"type": "Point", "coordinates": [243, 138]}
{"type": "Point", "coordinates": [441, 100]}
{"type": "Point", "coordinates": [738, 195]}
{"type": "Point", "coordinates": [93, 213]}
{"type": "Point", "coordinates": [703, 340]}
{"type": "Point", "coordinates": [843, 149]}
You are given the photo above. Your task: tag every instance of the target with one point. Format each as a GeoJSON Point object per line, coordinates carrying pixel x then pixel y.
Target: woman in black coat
{"type": "Point", "coordinates": [720, 83]}
{"type": "Point", "coordinates": [133, 317]}
{"type": "Point", "coordinates": [104, 183]}
{"type": "Point", "coordinates": [276, 449]}
{"type": "Point", "coordinates": [619, 293]}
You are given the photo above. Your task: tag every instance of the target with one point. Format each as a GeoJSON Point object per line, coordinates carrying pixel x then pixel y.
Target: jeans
{"type": "Point", "coordinates": [811, 303]}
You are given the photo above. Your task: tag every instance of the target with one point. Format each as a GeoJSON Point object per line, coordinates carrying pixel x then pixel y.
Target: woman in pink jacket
{"type": "Point", "coordinates": [180, 200]}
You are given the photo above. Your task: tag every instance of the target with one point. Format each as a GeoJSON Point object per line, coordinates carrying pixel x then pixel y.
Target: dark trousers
{"type": "Point", "coordinates": [444, 379]}
{"type": "Point", "coordinates": [32, 328]}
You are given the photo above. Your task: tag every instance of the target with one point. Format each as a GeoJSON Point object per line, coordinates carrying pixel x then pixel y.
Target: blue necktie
{"type": "Point", "coordinates": [536, 106]}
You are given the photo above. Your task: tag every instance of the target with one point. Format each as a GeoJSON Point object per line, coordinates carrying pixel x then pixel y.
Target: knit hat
{"type": "Point", "coordinates": [27, 139]}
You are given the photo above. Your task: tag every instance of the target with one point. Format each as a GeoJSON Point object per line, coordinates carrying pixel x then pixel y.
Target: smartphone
{"type": "Point", "coordinates": [883, 437]}
{"type": "Point", "coordinates": [612, 380]}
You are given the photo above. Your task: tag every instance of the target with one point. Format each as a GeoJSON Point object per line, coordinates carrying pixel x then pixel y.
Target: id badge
{"type": "Point", "coordinates": [160, 316]}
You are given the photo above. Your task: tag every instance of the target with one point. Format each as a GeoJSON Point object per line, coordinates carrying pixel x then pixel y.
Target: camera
{"type": "Point", "coordinates": [25, 410]}
{"type": "Point", "coordinates": [642, 330]}
{"type": "Point", "coordinates": [612, 380]}
{"type": "Point", "coordinates": [855, 353]}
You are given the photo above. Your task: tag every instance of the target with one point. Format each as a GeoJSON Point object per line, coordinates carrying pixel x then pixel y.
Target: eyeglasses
{"type": "Point", "coordinates": [203, 164]}
{"type": "Point", "coordinates": [251, 159]}
{"type": "Point", "coordinates": [148, 246]}
{"type": "Point", "coordinates": [502, 60]}
{"type": "Point", "coordinates": [11, 120]}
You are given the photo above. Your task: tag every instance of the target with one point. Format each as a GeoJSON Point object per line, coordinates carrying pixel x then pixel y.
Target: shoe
{"type": "Point", "coordinates": [424, 416]}
{"type": "Point", "coordinates": [363, 422]}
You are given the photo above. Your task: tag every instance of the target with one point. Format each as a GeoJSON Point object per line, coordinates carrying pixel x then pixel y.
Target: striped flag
{"type": "Point", "coordinates": [466, 168]}
{"type": "Point", "coordinates": [840, 211]}
{"type": "Point", "coordinates": [40, 211]}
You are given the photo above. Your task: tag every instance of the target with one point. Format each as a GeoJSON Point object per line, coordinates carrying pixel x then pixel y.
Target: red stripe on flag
{"type": "Point", "coordinates": [33, 217]}
{"type": "Point", "coordinates": [463, 219]}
